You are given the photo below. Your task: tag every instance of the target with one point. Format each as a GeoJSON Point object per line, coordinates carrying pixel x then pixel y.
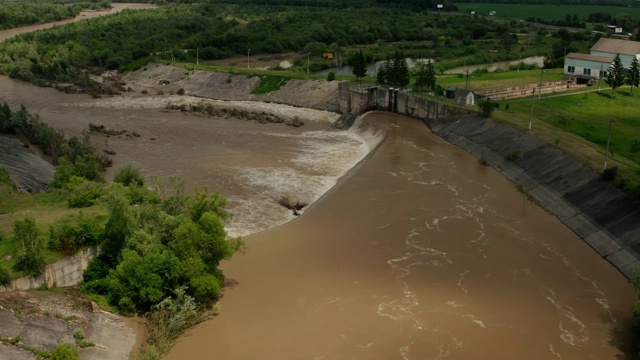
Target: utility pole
{"type": "Point", "coordinates": [600, 77]}
{"type": "Point", "coordinates": [606, 153]}
{"type": "Point", "coordinates": [540, 87]}
{"type": "Point", "coordinates": [248, 53]}
{"type": "Point", "coordinates": [467, 80]}
{"type": "Point", "coordinates": [533, 97]}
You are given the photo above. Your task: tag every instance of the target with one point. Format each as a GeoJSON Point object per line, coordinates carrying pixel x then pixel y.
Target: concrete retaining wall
{"type": "Point", "coordinates": [64, 273]}
{"type": "Point", "coordinates": [604, 216]}
{"type": "Point", "coordinates": [356, 100]}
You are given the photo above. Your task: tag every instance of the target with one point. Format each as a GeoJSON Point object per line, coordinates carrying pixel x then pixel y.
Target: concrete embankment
{"type": "Point", "coordinates": [63, 273]}
{"type": "Point", "coordinates": [604, 216]}
{"type": "Point", "coordinates": [29, 172]}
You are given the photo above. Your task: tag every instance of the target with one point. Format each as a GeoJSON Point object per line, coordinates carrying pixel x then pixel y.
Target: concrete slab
{"type": "Point", "coordinates": [10, 325]}
{"type": "Point", "coordinates": [43, 332]}
{"type": "Point", "coordinates": [10, 352]}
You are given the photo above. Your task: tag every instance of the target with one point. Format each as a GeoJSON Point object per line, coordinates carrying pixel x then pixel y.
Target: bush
{"type": "Point", "coordinates": [487, 107]}
{"type": "Point", "coordinates": [68, 237]}
{"type": "Point", "coordinates": [64, 352]}
{"type": "Point", "coordinates": [5, 277]}
{"type": "Point", "coordinates": [85, 194]}
{"type": "Point", "coordinates": [128, 176]}
{"type": "Point", "coordinates": [514, 156]}
{"type": "Point", "coordinates": [331, 76]}
{"type": "Point", "coordinates": [610, 174]}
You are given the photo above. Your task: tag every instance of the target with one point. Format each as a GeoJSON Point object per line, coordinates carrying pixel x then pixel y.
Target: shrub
{"type": "Point", "coordinates": [5, 277]}
{"type": "Point", "coordinates": [610, 174]}
{"type": "Point", "coordinates": [514, 156]}
{"type": "Point", "coordinates": [180, 91]}
{"type": "Point", "coordinates": [69, 237]}
{"type": "Point", "coordinates": [85, 194]}
{"type": "Point", "coordinates": [331, 76]}
{"type": "Point", "coordinates": [64, 352]}
{"type": "Point", "coordinates": [128, 176]}
{"type": "Point", "coordinates": [487, 107]}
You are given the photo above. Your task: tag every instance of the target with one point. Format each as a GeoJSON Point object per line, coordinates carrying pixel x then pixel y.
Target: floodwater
{"type": "Point", "coordinates": [87, 14]}
{"type": "Point", "coordinates": [418, 252]}
{"type": "Point", "coordinates": [501, 65]}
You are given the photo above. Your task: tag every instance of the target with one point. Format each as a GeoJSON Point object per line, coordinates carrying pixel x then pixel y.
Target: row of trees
{"type": "Point", "coordinates": [616, 76]}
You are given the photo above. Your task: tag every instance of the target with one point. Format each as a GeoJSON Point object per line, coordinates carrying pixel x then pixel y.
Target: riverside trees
{"type": "Point", "coordinates": [164, 244]}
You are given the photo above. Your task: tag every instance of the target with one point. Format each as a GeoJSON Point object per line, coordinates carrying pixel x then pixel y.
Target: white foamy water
{"type": "Point", "coordinates": [318, 160]}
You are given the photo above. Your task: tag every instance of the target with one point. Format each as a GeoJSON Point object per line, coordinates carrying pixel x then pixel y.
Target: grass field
{"type": "Point", "coordinates": [546, 12]}
{"type": "Point", "coordinates": [46, 208]}
{"type": "Point", "coordinates": [500, 79]}
{"type": "Point", "coordinates": [579, 124]}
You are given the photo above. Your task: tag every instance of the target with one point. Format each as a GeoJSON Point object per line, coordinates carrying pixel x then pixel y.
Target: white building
{"type": "Point", "coordinates": [589, 68]}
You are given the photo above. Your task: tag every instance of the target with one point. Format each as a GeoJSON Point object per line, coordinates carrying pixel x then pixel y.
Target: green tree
{"type": "Point", "coordinates": [29, 252]}
{"type": "Point", "coordinates": [381, 76]}
{"type": "Point", "coordinates": [634, 74]}
{"type": "Point", "coordinates": [398, 74]}
{"type": "Point", "coordinates": [359, 63]}
{"type": "Point", "coordinates": [426, 77]}
{"type": "Point", "coordinates": [615, 74]}
{"type": "Point", "coordinates": [486, 107]}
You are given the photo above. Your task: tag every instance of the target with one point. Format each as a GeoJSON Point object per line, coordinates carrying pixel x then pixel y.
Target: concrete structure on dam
{"type": "Point", "coordinates": [604, 216]}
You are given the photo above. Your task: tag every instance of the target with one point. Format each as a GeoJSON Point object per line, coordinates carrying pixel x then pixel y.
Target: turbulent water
{"type": "Point", "coordinates": [420, 252]}
{"type": "Point", "coordinates": [417, 252]}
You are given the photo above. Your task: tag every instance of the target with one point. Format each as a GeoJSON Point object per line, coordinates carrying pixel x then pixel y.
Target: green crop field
{"type": "Point", "coordinates": [546, 12]}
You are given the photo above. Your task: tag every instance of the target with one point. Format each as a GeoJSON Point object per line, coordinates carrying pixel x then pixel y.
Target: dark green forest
{"type": "Point", "coordinates": [14, 14]}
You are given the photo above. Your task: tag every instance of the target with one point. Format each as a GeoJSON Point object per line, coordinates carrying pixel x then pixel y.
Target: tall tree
{"type": "Point", "coordinates": [29, 253]}
{"type": "Point", "coordinates": [383, 72]}
{"type": "Point", "coordinates": [398, 74]}
{"type": "Point", "coordinates": [426, 77]}
{"type": "Point", "coordinates": [359, 63]}
{"type": "Point", "coordinates": [634, 74]}
{"type": "Point", "coordinates": [615, 74]}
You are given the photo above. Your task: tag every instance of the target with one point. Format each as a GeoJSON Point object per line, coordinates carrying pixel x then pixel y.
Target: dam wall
{"type": "Point", "coordinates": [357, 100]}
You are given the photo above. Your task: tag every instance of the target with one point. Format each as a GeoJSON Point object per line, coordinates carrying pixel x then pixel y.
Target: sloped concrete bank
{"type": "Point", "coordinates": [604, 216]}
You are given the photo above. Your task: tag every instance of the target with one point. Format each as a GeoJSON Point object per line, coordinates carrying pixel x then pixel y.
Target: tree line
{"type": "Point", "coordinates": [128, 40]}
{"type": "Point", "coordinates": [14, 14]}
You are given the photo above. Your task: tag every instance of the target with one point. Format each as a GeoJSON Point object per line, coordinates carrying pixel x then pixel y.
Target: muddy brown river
{"type": "Point", "coordinates": [418, 251]}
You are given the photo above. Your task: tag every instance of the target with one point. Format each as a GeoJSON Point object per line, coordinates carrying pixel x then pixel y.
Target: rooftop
{"type": "Point", "coordinates": [616, 46]}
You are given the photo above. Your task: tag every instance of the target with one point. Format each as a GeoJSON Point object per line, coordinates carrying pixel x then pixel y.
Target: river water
{"type": "Point", "coordinates": [418, 251]}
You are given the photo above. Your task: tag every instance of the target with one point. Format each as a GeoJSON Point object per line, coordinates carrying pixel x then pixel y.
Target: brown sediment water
{"type": "Point", "coordinates": [420, 252]}
{"type": "Point", "coordinates": [86, 14]}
